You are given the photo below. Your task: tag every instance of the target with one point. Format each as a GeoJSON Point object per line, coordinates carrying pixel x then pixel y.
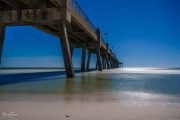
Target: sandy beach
{"type": "Point", "coordinates": [52, 107]}
{"type": "Point", "coordinates": [130, 95]}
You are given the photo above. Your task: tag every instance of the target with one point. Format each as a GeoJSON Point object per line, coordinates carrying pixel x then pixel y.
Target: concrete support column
{"type": "Point", "coordinates": [88, 62]}
{"type": "Point", "coordinates": [2, 36]}
{"type": "Point", "coordinates": [106, 56]}
{"type": "Point", "coordinates": [113, 63]}
{"type": "Point", "coordinates": [110, 59]}
{"type": "Point", "coordinates": [99, 59]}
{"type": "Point", "coordinates": [65, 49]}
{"type": "Point", "coordinates": [103, 63]}
{"type": "Point", "coordinates": [114, 66]}
{"type": "Point", "coordinates": [96, 65]}
{"type": "Point", "coordinates": [107, 61]}
{"type": "Point", "coordinates": [71, 49]}
{"type": "Point", "coordinates": [98, 50]}
{"type": "Point", "coordinates": [83, 60]}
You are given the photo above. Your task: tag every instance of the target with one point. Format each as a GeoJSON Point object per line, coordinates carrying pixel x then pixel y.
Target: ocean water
{"type": "Point", "coordinates": [123, 85]}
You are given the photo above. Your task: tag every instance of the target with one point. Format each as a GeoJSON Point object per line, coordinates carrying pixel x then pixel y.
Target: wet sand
{"type": "Point", "coordinates": [109, 95]}
{"type": "Point", "coordinates": [54, 107]}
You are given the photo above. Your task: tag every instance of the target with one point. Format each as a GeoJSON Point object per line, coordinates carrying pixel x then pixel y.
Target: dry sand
{"type": "Point", "coordinates": [45, 108]}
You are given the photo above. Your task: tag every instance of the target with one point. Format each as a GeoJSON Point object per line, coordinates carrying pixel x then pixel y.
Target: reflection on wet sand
{"type": "Point", "coordinates": [117, 85]}
{"type": "Point", "coordinates": [86, 87]}
{"type": "Point", "coordinates": [111, 94]}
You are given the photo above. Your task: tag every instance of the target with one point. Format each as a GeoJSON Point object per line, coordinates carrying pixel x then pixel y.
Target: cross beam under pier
{"type": "Point", "coordinates": [60, 18]}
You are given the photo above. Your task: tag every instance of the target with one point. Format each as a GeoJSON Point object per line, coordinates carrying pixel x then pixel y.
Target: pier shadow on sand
{"type": "Point", "coordinates": [6, 79]}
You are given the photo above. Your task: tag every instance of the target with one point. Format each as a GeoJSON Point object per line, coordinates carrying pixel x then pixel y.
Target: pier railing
{"type": "Point", "coordinates": [103, 40]}
{"type": "Point", "coordinates": [77, 7]}
{"type": "Point", "coordinates": [79, 10]}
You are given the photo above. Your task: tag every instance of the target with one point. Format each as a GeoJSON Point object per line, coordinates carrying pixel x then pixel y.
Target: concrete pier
{"type": "Point", "coordinates": [64, 19]}
{"type": "Point", "coordinates": [83, 60]}
{"type": "Point", "coordinates": [2, 36]}
{"type": "Point", "coordinates": [65, 49]}
{"type": "Point", "coordinates": [88, 61]}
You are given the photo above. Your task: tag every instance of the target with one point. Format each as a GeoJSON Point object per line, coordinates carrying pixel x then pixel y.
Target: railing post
{"type": "Point", "coordinates": [2, 37]}
{"type": "Point", "coordinates": [98, 50]}
{"type": "Point", "coordinates": [77, 7]}
{"type": "Point", "coordinates": [65, 49]}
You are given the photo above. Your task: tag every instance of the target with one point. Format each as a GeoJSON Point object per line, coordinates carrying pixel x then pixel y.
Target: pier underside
{"type": "Point", "coordinates": [63, 19]}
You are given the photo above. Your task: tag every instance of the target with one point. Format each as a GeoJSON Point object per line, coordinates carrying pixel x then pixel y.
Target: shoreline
{"type": "Point", "coordinates": [46, 109]}
{"type": "Point", "coordinates": [119, 94]}
{"type": "Point", "coordinates": [117, 97]}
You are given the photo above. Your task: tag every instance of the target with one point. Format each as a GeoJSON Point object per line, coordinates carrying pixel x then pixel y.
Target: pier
{"type": "Point", "coordinates": [64, 19]}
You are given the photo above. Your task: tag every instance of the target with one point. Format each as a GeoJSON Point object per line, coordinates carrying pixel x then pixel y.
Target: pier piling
{"type": "Point", "coordinates": [65, 20]}
{"type": "Point", "coordinates": [88, 61]}
{"type": "Point", "coordinates": [66, 50]}
{"type": "Point", "coordinates": [2, 36]}
{"type": "Point", "coordinates": [83, 60]}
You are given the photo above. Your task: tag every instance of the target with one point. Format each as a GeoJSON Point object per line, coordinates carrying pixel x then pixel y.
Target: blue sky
{"type": "Point", "coordinates": [143, 33]}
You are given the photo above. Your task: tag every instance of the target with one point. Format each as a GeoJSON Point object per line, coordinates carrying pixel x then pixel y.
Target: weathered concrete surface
{"type": "Point", "coordinates": [83, 59]}
{"type": "Point", "coordinates": [88, 61]}
{"type": "Point", "coordinates": [65, 49]}
{"type": "Point", "coordinates": [2, 36]}
{"type": "Point", "coordinates": [60, 18]}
